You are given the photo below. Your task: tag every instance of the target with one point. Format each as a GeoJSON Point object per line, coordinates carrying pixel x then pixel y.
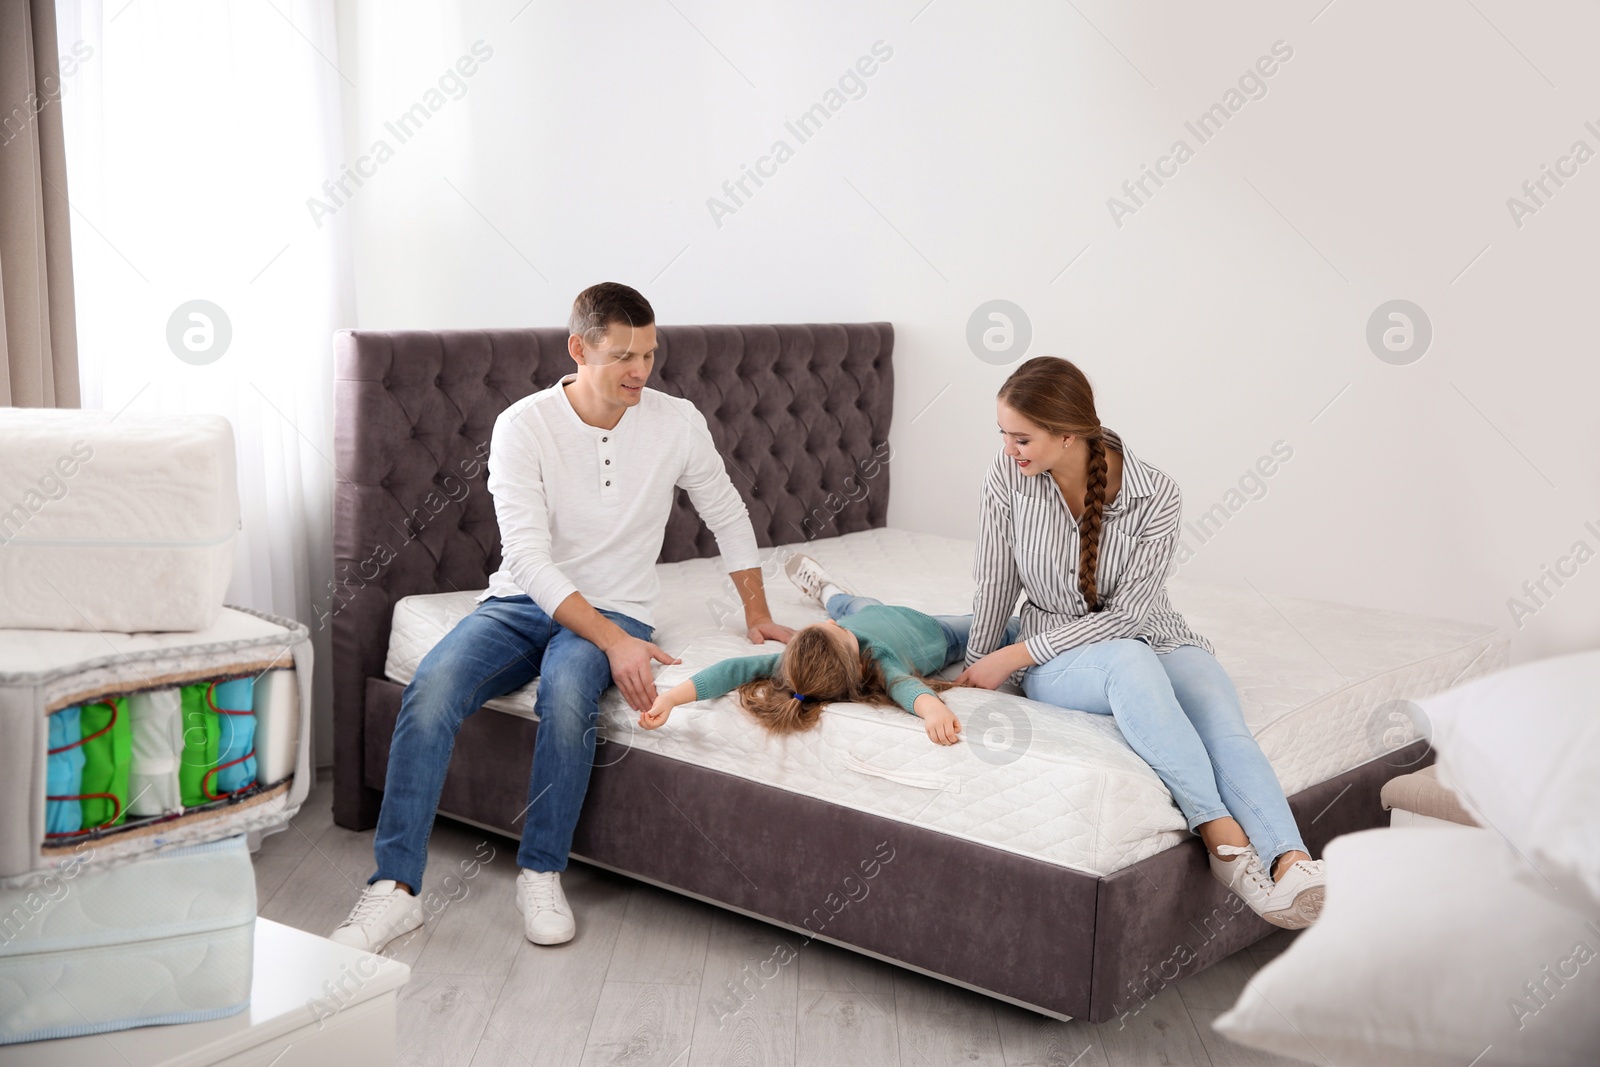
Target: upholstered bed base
{"type": "Point", "coordinates": [1062, 942]}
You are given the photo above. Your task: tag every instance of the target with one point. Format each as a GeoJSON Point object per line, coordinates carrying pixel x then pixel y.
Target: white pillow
{"type": "Point", "coordinates": [1425, 949]}
{"type": "Point", "coordinates": [1522, 747]}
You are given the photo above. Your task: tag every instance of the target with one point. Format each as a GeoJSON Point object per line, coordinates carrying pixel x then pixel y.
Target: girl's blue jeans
{"type": "Point", "coordinates": [956, 627]}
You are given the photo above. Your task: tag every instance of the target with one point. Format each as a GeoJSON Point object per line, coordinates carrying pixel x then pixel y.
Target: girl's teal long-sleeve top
{"type": "Point", "coordinates": [905, 643]}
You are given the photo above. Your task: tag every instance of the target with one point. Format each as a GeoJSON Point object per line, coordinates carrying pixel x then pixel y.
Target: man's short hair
{"type": "Point", "coordinates": [598, 306]}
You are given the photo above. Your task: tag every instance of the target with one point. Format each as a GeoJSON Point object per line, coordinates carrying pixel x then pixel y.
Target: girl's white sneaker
{"type": "Point", "coordinates": [809, 577]}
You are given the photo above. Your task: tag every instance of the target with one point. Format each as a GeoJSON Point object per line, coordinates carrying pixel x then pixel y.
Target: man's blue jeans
{"type": "Point", "coordinates": [1180, 712]}
{"type": "Point", "coordinates": [501, 646]}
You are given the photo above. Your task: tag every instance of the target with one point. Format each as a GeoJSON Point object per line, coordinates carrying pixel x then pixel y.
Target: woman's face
{"type": "Point", "coordinates": [1031, 447]}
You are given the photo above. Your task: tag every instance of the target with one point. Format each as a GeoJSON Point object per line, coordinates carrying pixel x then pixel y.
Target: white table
{"type": "Point", "coordinates": [312, 1002]}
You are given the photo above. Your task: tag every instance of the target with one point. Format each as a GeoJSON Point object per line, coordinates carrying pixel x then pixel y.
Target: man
{"type": "Point", "coordinates": [583, 477]}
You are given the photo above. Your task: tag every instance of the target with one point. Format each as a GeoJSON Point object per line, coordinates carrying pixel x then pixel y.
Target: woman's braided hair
{"type": "Point", "coordinates": [1054, 394]}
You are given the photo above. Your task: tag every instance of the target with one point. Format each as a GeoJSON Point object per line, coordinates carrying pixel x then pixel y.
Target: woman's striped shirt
{"type": "Point", "coordinates": [1028, 543]}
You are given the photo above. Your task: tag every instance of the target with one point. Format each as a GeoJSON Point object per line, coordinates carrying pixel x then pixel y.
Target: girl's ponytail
{"type": "Point", "coordinates": [778, 708]}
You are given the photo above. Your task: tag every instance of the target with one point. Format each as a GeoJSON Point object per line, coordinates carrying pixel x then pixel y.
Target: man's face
{"type": "Point", "coordinates": [620, 365]}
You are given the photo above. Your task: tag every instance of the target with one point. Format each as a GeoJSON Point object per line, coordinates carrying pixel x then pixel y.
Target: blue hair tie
{"type": "Point", "coordinates": [798, 696]}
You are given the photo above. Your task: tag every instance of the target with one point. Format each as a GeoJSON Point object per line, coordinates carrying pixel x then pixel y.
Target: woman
{"type": "Point", "coordinates": [1071, 518]}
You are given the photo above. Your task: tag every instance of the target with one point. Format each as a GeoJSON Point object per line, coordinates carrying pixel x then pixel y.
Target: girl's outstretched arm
{"type": "Point", "coordinates": [713, 681]}
{"type": "Point", "coordinates": [938, 720]}
{"type": "Point", "coordinates": [656, 714]}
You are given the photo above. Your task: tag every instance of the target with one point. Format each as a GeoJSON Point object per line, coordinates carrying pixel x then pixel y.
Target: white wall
{"type": "Point", "coordinates": [1220, 318]}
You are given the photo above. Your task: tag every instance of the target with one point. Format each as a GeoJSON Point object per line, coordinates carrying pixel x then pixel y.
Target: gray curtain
{"type": "Point", "coordinates": [39, 345]}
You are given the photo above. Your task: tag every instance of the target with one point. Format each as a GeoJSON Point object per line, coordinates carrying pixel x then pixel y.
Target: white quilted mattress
{"type": "Point", "coordinates": [1319, 683]}
{"type": "Point", "coordinates": [115, 522]}
{"type": "Point", "coordinates": [166, 940]}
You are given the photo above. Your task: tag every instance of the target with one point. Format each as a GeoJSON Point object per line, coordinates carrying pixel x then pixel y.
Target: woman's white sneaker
{"type": "Point", "coordinates": [384, 912]}
{"type": "Point", "coordinates": [1244, 875]}
{"type": "Point", "coordinates": [546, 915]}
{"type": "Point", "coordinates": [1297, 897]}
{"type": "Point", "coordinates": [1293, 902]}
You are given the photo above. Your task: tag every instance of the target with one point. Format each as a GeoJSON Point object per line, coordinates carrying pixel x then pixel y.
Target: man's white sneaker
{"type": "Point", "coordinates": [546, 915]}
{"type": "Point", "coordinates": [809, 577]}
{"type": "Point", "coordinates": [384, 912]}
{"type": "Point", "coordinates": [1296, 898]}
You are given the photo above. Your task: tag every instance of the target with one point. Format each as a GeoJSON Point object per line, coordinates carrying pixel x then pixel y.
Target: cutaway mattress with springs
{"type": "Point", "coordinates": [1323, 687]}
{"type": "Point", "coordinates": [116, 745]}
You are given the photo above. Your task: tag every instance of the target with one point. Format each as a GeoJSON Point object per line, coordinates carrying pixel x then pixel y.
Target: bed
{"type": "Point", "coordinates": [1040, 861]}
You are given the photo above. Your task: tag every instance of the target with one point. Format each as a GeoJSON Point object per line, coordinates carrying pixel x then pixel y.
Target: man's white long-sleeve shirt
{"type": "Point", "coordinates": [584, 509]}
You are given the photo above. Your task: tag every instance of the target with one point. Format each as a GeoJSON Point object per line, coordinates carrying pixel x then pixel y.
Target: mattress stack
{"type": "Point", "coordinates": [144, 727]}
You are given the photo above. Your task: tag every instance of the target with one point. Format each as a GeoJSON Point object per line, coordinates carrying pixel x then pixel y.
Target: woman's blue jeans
{"type": "Point", "coordinates": [1178, 710]}
{"type": "Point", "coordinates": [502, 646]}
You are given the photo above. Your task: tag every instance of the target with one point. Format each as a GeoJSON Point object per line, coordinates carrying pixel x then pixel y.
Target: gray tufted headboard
{"type": "Point", "coordinates": [797, 411]}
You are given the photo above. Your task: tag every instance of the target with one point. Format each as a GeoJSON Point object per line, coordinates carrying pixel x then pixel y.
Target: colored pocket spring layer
{"type": "Point", "coordinates": [148, 754]}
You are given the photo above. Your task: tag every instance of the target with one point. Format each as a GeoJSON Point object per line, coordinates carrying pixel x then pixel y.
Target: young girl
{"type": "Point", "coordinates": [1071, 518]}
{"type": "Point", "coordinates": [877, 654]}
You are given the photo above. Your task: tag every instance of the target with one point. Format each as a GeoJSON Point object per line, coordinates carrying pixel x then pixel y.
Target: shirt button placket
{"type": "Point", "coordinates": [606, 453]}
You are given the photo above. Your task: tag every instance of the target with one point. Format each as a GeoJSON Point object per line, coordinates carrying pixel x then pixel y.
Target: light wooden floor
{"type": "Point", "coordinates": [640, 983]}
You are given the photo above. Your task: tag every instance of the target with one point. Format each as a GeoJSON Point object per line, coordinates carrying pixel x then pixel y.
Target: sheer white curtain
{"type": "Point", "coordinates": [195, 132]}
